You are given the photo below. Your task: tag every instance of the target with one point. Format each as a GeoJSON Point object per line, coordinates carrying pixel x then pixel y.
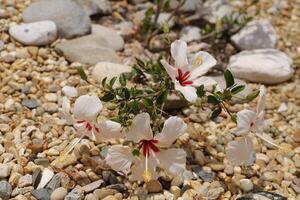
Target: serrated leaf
{"type": "Point", "coordinates": [112, 81]}
{"type": "Point", "coordinates": [237, 89]}
{"type": "Point", "coordinates": [82, 74]}
{"type": "Point", "coordinates": [107, 97]}
{"type": "Point", "coordinates": [136, 152]}
{"type": "Point", "coordinates": [162, 97]}
{"type": "Point", "coordinates": [216, 112]}
{"type": "Point", "coordinates": [228, 78]}
{"type": "Point", "coordinates": [200, 91]}
{"type": "Point", "coordinates": [103, 82]}
{"type": "Point", "coordinates": [253, 95]}
{"type": "Point", "coordinates": [122, 79]}
{"type": "Point", "coordinates": [212, 99]}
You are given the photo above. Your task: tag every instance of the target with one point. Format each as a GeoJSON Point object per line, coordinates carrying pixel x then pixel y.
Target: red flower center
{"type": "Point", "coordinates": [147, 145]}
{"type": "Point", "coordinates": [183, 78]}
{"type": "Point", "coordinates": [88, 125]}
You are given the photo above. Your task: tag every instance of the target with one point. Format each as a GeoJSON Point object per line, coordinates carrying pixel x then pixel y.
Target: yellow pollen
{"type": "Point", "coordinates": [146, 175]}
{"type": "Point", "coordinates": [198, 61]}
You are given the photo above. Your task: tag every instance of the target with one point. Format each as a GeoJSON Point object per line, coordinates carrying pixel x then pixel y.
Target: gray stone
{"type": "Point", "coordinates": [267, 66]}
{"type": "Point", "coordinates": [190, 33]}
{"type": "Point", "coordinates": [5, 190]}
{"type": "Point", "coordinates": [95, 7]}
{"type": "Point", "coordinates": [188, 6]}
{"type": "Point", "coordinates": [36, 177]}
{"type": "Point", "coordinates": [1, 45]}
{"type": "Point", "coordinates": [30, 103]}
{"type": "Point", "coordinates": [109, 70]}
{"type": "Point", "coordinates": [205, 176]}
{"type": "Point", "coordinates": [41, 194]}
{"type": "Point", "coordinates": [246, 185]}
{"type": "Point", "coordinates": [25, 181]}
{"type": "Point", "coordinates": [216, 10]}
{"type": "Point", "coordinates": [36, 33]}
{"type": "Point", "coordinates": [258, 34]}
{"type": "Point", "coordinates": [262, 195]}
{"type": "Point", "coordinates": [73, 195]}
{"type": "Point", "coordinates": [174, 101]}
{"type": "Point", "coordinates": [87, 50]}
{"type": "Point", "coordinates": [54, 182]}
{"type": "Point", "coordinates": [70, 18]}
{"type": "Point", "coordinates": [119, 187]}
{"type": "Point", "coordinates": [92, 186]}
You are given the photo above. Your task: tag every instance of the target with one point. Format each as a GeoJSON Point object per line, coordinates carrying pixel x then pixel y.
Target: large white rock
{"type": "Point", "coordinates": [259, 34]}
{"type": "Point", "coordinates": [268, 66]}
{"type": "Point", "coordinates": [36, 33]}
{"type": "Point", "coordinates": [109, 70]}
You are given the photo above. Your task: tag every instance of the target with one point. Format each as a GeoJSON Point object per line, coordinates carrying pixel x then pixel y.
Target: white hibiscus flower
{"type": "Point", "coordinates": [241, 151]}
{"type": "Point", "coordinates": [188, 73]}
{"type": "Point", "coordinates": [84, 119]}
{"type": "Point", "coordinates": [153, 150]}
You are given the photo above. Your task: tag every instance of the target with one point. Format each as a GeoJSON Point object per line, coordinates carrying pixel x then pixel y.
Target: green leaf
{"type": "Point", "coordinates": [107, 97]}
{"type": "Point", "coordinates": [237, 89]}
{"type": "Point", "coordinates": [228, 78]}
{"type": "Point", "coordinates": [103, 82]}
{"type": "Point", "coordinates": [212, 99]}
{"type": "Point", "coordinates": [149, 12]}
{"type": "Point", "coordinates": [135, 106]}
{"type": "Point", "coordinates": [136, 152]}
{"type": "Point", "coordinates": [112, 81]}
{"type": "Point", "coordinates": [166, 28]}
{"type": "Point", "coordinates": [126, 93]}
{"type": "Point", "coordinates": [253, 95]}
{"type": "Point", "coordinates": [216, 112]}
{"type": "Point", "coordinates": [122, 79]}
{"type": "Point", "coordinates": [82, 74]}
{"type": "Point", "coordinates": [148, 102]}
{"type": "Point", "coordinates": [162, 97]}
{"type": "Point", "coordinates": [200, 91]}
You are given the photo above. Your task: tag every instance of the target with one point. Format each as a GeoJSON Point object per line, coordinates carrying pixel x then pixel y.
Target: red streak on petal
{"type": "Point", "coordinates": [147, 145]}
{"type": "Point", "coordinates": [183, 78]}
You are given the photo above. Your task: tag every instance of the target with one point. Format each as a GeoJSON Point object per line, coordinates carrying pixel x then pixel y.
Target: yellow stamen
{"type": "Point", "coordinates": [198, 61]}
{"type": "Point", "coordinates": [146, 174]}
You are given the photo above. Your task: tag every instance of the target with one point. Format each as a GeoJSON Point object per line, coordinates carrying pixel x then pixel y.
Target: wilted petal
{"type": "Point", "coordinates": [140, 166]}
{"type": "Point", "coordinates": [172, 160]}
{"type": "Point", "coordinates": [173, 128]}
{"type": "Point", "coordinates": [262, 99]}
{"type": "Point", "coordinates": [140, 128]}
{"type": "Point", "coordinates": [172, 71]}
{"type": "Point", "coordinates": [179, 54]}
{"type": "Point", "coordinates": [201, 63]}
{"type": "Point", "coordinates": [207, 82]}
{"type": "Point", "coordinates": [70, 91]}
{"type": "Point", "coordinates": [244, 120]}
{"type": "Point", "coordinates": [66, 111]}
{"type": "Point", "coordinates": [109, 130]}
{"type": "Point", "coordinates": [188, 92]}
{"type": "Point", "coordinates": [87, 107]}
{"type": "Point", "coordinates": [241, 152]}
{"type": "Point", "coordinates": [119, 158]}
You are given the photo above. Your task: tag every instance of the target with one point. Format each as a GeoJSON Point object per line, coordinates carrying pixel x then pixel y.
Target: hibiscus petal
{"type": "Point", "coordinates": [140, 128]}
{"type": "Point", "coordinates": [201, 63]}
{"type": "Point", "coordinates": [108, 130]}
{"type": "Point", "coordinates": [66, 111]}
{"type": "Point", "coordinates": [119, 158]}
{"type": "Point", "coordinates": [70, 91]}
{"type": "Point", "coordinates": [262, 99]}
{"type": "Point", "coordinates": [87, 107]}
{"type": "Point", "coordinates": [172, 72]}
{"type": "Point", "coordinates": [173, 128]}
{"type": "Point", "coordinates": [207, 82]}
{"type": "Point", "coordinates": [172, 160]}
{"type": "Point", "coordinates": [188, 92]}
{"type": "Point", "coordinates": [140, 166]}
{"type": "Point", "coordinates": [241, 152]}
{"type": "Point", "coordinates": [244, 120]}
{"type": "Point", "coordinates": [179, 52]}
